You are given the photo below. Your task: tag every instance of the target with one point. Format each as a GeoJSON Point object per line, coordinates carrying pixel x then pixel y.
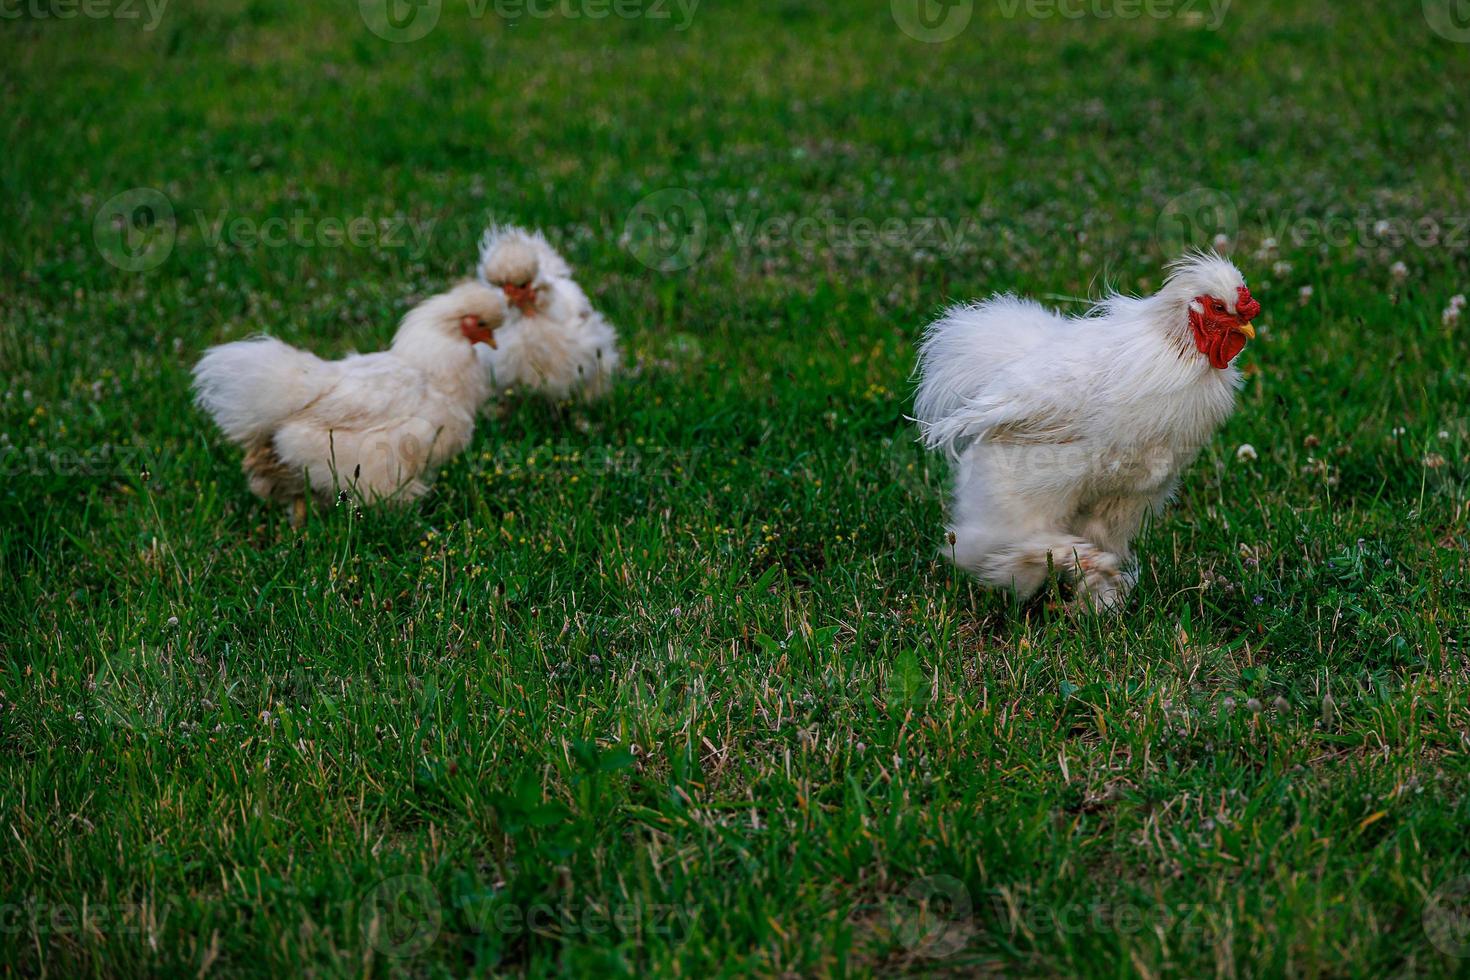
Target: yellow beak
{"type": "Point", "coordinates": [1247, 329]}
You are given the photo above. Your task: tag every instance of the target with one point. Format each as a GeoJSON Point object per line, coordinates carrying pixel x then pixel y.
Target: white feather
{"type": "Point", "coordinates": [251, 386]}
{"type": "Point", "coordinates": [1065, 431]}
{"type": "Point", "coordinates": [563, 346]}
{"type": "Point", "coordinates": [373, 424]}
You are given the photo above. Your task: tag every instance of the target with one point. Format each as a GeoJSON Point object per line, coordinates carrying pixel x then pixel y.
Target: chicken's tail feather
{"type": "Point", "coordinates": [954, 432]}
{"type": "Point", "coordinates": [251, 386]}
{"type": "Point", "coordinates": [954, 373]}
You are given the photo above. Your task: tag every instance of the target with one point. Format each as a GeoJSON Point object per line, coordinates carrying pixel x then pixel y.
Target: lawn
{"type": "Point", "coordinates": [679, 682]}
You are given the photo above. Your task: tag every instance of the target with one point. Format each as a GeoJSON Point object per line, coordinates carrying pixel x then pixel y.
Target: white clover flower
{"type": "Point", "coordinates": [1246, 453]}
{"type": "Point", "coordinates": [1282, 268]}
{"type": "Point", "coordinates": [1222, 243]}
{"type": "Point", "coordinates": [1458, 301]}
{"type": "Point", "coordinates": [1382, 228]}
{"type": "Point", "coordinates": [1450, 316]}
{"type": "Point", "coordinates": [1304, 295]}
{"type": "Point", "coordinates": [1399, 271]}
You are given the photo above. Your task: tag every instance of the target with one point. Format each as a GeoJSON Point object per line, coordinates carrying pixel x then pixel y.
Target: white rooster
{"type": "Point", "coordinates": [375, 425]}
{"type": "Point", "coordinates": [558, 344]}
{"type": "Point", "coordinates": [1065, 431]}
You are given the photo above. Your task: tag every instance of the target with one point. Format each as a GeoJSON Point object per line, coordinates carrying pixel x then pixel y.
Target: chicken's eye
{"type": "Point", "coordinates": [1217, 306]}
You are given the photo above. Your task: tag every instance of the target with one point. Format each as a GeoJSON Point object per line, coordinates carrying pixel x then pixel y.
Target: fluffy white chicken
{"type": "Point", "coordinates": [374, 425]}
{"type": "Point", "coordinates": [1065, 431]}
{"type": "Point", "coordinates": [558, 343]}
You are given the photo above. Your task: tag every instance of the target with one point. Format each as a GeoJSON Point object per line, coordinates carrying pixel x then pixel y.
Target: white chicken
{"type": "Point", "coordinates": [374, 425]}
{"type": "Point", "coordinates": [558, 344]}
{"type": "Point", "coordinates": [1065, 431]}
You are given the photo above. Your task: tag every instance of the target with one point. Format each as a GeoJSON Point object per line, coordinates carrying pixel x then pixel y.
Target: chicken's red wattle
{"type": "Point", "coordinates": [1219, 336]}
{"type": "Point", "coordinates": [1228, 345]}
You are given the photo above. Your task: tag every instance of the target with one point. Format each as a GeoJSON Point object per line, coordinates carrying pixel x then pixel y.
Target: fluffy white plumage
{"type": "Point", "coordinates": [1065, 431]}
{"type": "Point", "coordinates": [375, 425]}
{"type": "Point", "coordinates": [557, 343]}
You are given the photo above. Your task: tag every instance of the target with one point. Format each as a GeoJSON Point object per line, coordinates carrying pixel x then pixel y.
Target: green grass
{"type": "Point", "coordinates": [677, 683]}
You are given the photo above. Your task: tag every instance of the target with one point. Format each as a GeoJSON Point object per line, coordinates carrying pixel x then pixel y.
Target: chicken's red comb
{"type": "Point", "coordinates": [1246, 306]}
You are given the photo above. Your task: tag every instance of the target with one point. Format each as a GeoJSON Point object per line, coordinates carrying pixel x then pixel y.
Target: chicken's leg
{"type": "Point", "coordinates": [1112, 523]}
{"type": "Point", "coordinates": [1022, 565]}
